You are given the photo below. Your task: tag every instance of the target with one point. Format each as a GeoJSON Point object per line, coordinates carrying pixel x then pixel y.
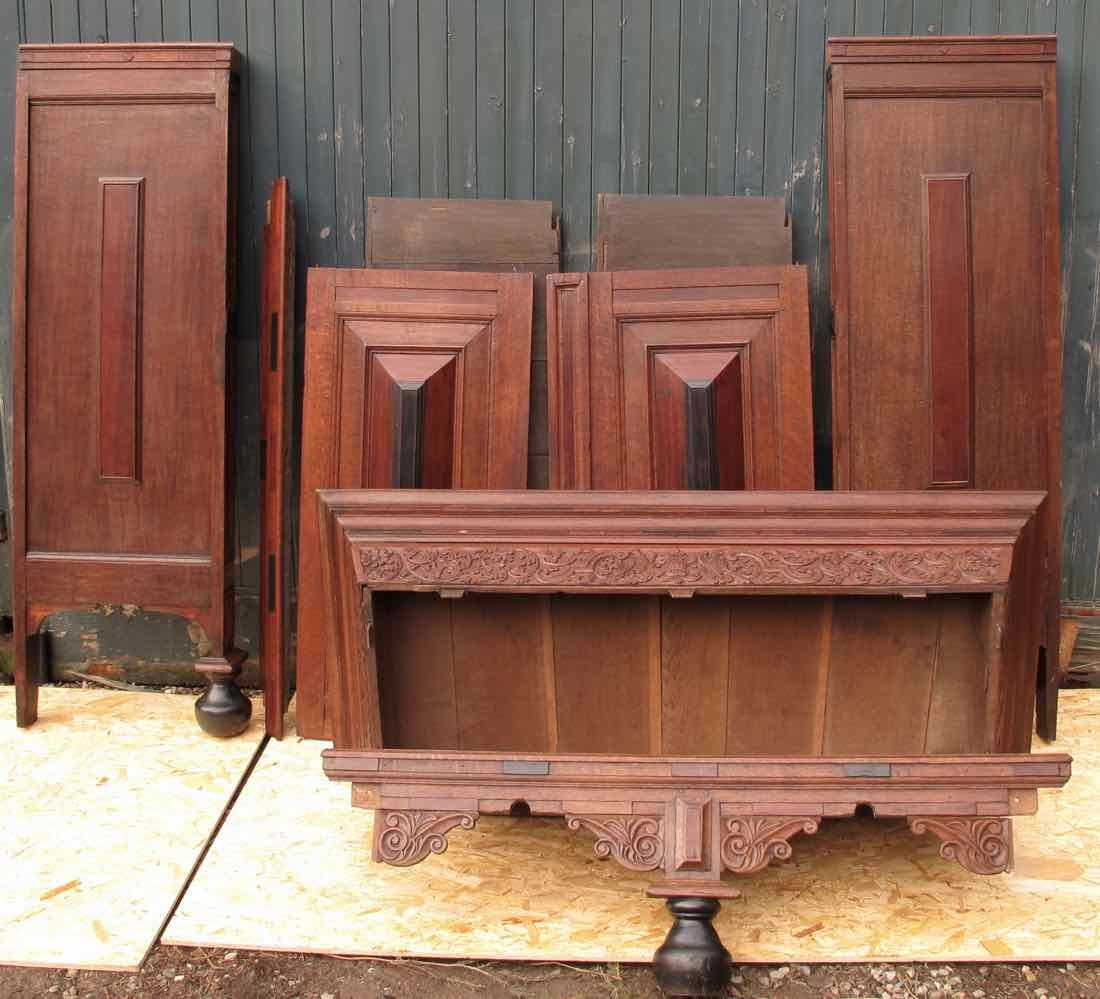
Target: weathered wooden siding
{"type": "Point", "coordinates": [562, 99]}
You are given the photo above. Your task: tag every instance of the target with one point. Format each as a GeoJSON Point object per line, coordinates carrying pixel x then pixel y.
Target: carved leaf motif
{"type": "Point", "coordinates": [406, 838]}
{"type": "Point", "coordinates": [750, 843]}
{"type": "Point", "coordinates": [982, 845]}
{"type": "Point", "coordinates": [636, 842]}
{"type": "Point", "coordinates": [720, 566]}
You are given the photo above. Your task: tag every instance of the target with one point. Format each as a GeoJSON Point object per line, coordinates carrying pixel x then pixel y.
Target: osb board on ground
{"type": "Point", "coordinates": [290, 871]}
{"type": "Point", "coordinates": [107, 803]}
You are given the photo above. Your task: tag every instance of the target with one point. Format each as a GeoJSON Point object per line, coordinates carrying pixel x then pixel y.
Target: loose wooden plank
{"type": "Point", "coordinates": [722, 101]}
{"type": "Point", "coordinates": [519, 99]}
{"type": "Point", "coordinates": [9, 40]}
{"type": "Point", "coordinates": [320, 202]}
{"type": "Point", "coordinates": [694, 99]}
{"type": "Point", "coordinates": [751, 75]}
{"type": "Point", "coordinates": [347, 94]}
{"type": "Point", "coordinates": [548, 100]}
{"type": "Point", "coordinates": [695, 651]}
{"type": "Point", "coordinates": [577, 165]}
{"type": "Point", "coordinates": [490, 99]}
{"type": "Point", "coordinates": [404, 100]}
{"type": "Point", "coordinates": [377, 98]}
{"type": "Point", "coordinates": [779, 77]}
{"type": "Point", "coordinates": [664, 97]}
{"type": "Point", "coordinates": [432, 111]}
{"type": "Point", "coordinates": [636, 232]}
{"type": "Point", "coordinates": [956, 711]}
{"type": "Point", "coordinates": [462, 103]}
{"type": "Point", "coordinates": [634, 94]}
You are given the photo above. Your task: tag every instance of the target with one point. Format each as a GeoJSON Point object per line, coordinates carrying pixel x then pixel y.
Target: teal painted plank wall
{"type": "Point", "coordinates": [562, 99]}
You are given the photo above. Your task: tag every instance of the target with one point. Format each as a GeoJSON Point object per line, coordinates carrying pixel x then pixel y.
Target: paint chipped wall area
{"type": "Point", "coordinates": [558, 100]}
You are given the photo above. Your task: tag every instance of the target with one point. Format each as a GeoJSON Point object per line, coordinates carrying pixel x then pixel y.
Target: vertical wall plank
{"type": "Point", "coordinates": [490, 99]}
{"type": "Point", "coordinates": [1042, 16]}
{"type": "Point", "coordinates": [120, 20]}
{"type": "Point", "coordinates": [779, 96]}
{"type": "Point", "coordinates": [985, 17]}
{"type": "Point", "coordinates": [377, 98]}
{"type": "Point", "coordinates": [37, 23]}
{"type": "Point", "coordinates": [576, 194]}
{"type": "Point", "coordinates": [432, 54]}
{"type": "Point", "coordinates": [607, 54]}
{"type": "Point", "coordinates": [320, 124]}
{"type": "Point", "coordinates": [549, 26]}
{"type": "Point", "coordinates": [1081, 386]}
{"type": "Point", "coordinates": [519, 98]}
{"type": "Point", "coordinates": [176, 16]}
{"type": "Point", "coordinates": [1071, 41]}
{"type": "Point", "coordinates": [405, 99]}
{"type": "Point", "coordinates": [462, 98]}
{"type": "Point", "coordinates": [634, 145]}
{"type": "Point", "coordinates": [148, 23]}
{"type": "Point", "coordinates": [204, 21]}
{"type": "Point", "coordinates": [751, 71]}
{"type": "Point", "coordinates": [928, 16]}
{"type": "Point", "coordinates": [93, 20]}
{"type": "Point", "coordinates": [722, 91]}
{"type": "Point", "coordinates": [66, 21]}
{"type": "Point", "coordinates": [664, 101]}
{"type": "Point", "coordinates": [899, 17]}
{"type": "Point", "coordinates": [1013, 17]}
{"type": "Point", "coordinates": [691, 152]}
{"type": "Point", "coordinates": [870, 17]}
{"type": "Point", "coordinates": [347, 96]}
{"type": "Point", "coordinates": [956, 17]}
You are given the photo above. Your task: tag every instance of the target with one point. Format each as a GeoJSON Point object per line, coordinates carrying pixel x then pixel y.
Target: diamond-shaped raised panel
{"type": "Point", "coordinates": [697, 419]}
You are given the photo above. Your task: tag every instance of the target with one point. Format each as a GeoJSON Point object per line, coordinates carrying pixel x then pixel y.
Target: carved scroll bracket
{"type": "Point", "coordinates": [750, 843]}
{"type": "Point", "coordinates": [635, 841]}
{"type": "Point", "coordinates": [982, 845]}
{"type": "Point", "coordinates": [407, 837]}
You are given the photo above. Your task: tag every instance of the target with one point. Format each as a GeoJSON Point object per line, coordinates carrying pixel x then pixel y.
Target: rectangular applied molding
{"type": "Point", "coordinates": [121, 213]}
{"type": "Point", "coordinates": [949, 308]}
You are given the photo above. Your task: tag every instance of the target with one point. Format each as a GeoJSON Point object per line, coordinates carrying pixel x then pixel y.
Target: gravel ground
{"type": "Point", "coordinates": [179, 972]}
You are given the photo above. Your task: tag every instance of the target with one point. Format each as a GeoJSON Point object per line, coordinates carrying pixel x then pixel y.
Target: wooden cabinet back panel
{"type": "Point", "coordinates": [127, 334]}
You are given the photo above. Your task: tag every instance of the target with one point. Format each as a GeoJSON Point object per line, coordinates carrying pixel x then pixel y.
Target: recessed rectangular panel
{"type": "Point", "coordinates": [121, 205]}
{"type": "Point", "coordinates": [949, 309]}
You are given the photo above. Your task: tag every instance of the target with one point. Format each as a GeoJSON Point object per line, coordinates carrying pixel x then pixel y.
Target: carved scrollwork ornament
{"type": "Point", "coordinates": [406, 838]}
{"type": "Point", "coordinates": [751, 842]}
{"type": "Point", "coordinates": [981, 845]}
{"type": "Point", "coordinates": [636, 842]}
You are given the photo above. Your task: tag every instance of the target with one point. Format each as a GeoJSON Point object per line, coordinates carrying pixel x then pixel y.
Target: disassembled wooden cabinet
{"type": "Point", "coordinates": [680, 379]}
{"type": "Point", "coordinates": [643, 231]}
{"type": "Point", "coordinates": [412, 379]}
{"type": "Point", "coordinates": [690, 678]}
{"type": "Point", "coordinates": [122, 278]}
{"type": "Point", "coordinates": [945, 276]}
{"type": "Point", "coordinates": [276, 336]}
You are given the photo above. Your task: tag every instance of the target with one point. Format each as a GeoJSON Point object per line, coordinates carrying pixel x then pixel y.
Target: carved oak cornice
{"type": "Point", "coordinates": [750, 843]}
{"type": "Point", "coordinates": [636, 842]}
{"type": "Point", "coordinates": [982, 845]}
{"type": "Point", "coordinates": [405, 838]}
{"type": "Point", "coordinates": [514, 566]}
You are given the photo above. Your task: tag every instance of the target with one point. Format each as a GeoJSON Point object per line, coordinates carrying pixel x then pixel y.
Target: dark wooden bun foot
{"type": "Point", "coordinates": [222, 711]}
{"type": "Point", "coordinates": [692, 960]}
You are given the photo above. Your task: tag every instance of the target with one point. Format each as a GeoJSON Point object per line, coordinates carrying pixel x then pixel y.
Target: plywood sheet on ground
{"type": "Point", "coordinates": [105, 807]}
{"type": "Point", "coordinates": [290, 871]}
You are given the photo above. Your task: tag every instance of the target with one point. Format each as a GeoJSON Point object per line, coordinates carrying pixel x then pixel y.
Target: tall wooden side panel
{"type": "Point", "coordinates": [943, 174]}
{"type": "Point", "coordinates": [681, 379]}
{"type": "Point", "coordinates": [276, 336]}
{"type": "Point", "coordinates": [123, 207]}
{"type": "Point", "coordinates": [413, 379]}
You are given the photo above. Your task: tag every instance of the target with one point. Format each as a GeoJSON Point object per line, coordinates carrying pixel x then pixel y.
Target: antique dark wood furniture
{"type": "Point", "coordinates": [680, 379]}
{"type": "Point", "coordinates": [124, 199]}
{"type": "Point", "coordinates": [412, 379]}
{"type": "Point", "coordinates": [643, 231]}
{"type": "Point", "coordinates": [474, 234]}
{"type": "Point", "coordinates": [944, 230]}
{"type": "Point", "coordinates": [690, 678]}
{"type": "Point", "coordinates": [276, 336]}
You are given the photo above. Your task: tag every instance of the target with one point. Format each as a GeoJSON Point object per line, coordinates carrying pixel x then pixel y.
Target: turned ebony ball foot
{"type": "Point", "coordinates": [223, 710]}
{"type": "Point", "coordinates": [692, 960]}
